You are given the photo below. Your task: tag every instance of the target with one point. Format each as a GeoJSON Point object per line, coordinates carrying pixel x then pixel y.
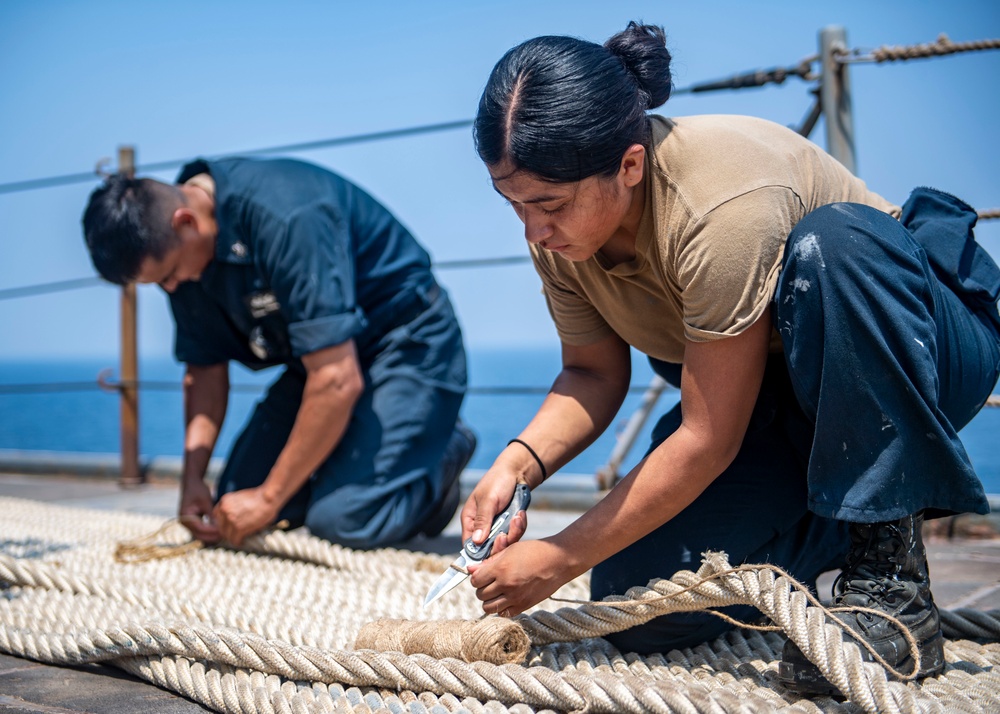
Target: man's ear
{"type": "Point", "coordinates": [633, 165]}
{"type": "Point", "coordinates": [183, 217]}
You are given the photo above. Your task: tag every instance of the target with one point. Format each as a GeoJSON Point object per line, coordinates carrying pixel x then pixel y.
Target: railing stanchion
{"type": "Point", "coordinates": [131, 474]}
{"type": "Point", "coordinates": [835, 97]}
{"type": "Point", "coordinates": [608, 474]}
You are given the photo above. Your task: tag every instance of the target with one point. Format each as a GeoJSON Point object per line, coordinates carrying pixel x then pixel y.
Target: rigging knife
{"type": "Point", "coordinates": [472, 553]}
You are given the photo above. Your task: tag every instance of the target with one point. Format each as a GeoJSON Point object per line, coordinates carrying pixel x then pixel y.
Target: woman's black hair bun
{"type": "Point", "coordinates": [643, 50]}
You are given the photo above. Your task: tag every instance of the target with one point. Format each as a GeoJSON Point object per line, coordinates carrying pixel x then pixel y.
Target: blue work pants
{"type": "Point", "coordinates": [891, 346]}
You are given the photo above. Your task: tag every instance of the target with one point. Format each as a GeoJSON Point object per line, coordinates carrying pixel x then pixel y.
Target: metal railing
{"type": "Point", "coordinates": [832, 101]}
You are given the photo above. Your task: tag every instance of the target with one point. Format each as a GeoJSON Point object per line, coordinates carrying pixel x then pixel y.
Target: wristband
{"type": "Point", "coordinates": [541, 466]}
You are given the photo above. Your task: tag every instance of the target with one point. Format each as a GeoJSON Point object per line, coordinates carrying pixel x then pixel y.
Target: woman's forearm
{"type": "Point", "coordinates": [583, 400]}
{"type": "Point", "coordinates": [719, 387]}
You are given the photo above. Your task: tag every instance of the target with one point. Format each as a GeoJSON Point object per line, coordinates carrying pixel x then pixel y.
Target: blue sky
{"type": "Point", "coordinates": [183, 79]}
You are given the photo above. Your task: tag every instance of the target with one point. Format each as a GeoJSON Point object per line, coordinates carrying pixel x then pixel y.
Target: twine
{"type": "Point", "coordinates": [492, 639]}
{"type": "Point", "coordinates": [145, 548]}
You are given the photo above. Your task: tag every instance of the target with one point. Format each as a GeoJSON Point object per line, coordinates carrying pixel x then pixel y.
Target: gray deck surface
{"type": "Point", "coordinates": [965, 571]}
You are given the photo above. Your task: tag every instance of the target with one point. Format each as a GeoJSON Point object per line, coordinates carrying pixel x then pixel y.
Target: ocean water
{"type": "Point", "coordinates": [86, 420]}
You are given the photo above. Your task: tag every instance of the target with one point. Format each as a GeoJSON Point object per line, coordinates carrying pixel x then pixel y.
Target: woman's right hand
{"type": "Point", "coordinates": [195, 511]}
{"type": "Point", "coordinates": [490, 496]}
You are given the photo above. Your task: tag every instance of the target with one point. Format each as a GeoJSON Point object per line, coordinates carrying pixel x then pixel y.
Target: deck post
{"type": "Point", "coordinates": [835, 96]}
{"type": "Point", "coordinates": [131, 474]}
{"type": "Point", "coordinates": [608, 474]}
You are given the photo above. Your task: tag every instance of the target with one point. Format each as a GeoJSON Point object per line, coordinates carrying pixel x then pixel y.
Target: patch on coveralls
{"type": "Point", "coordinates": [262, 304]}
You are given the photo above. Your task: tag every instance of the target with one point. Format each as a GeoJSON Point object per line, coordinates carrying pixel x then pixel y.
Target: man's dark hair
{"type": "Point", "coordinates": [126, 221]}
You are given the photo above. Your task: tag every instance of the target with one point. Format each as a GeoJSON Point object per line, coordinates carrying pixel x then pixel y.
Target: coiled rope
{"type": "Point", "coordinates": [262, 632]}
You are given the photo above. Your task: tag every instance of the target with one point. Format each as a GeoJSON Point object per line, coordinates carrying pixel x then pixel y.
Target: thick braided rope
{"type": "Point", "coordinates": [865, 684]}
{"type": "Point", "coordinates": [536, 686]}
{"type": "Point", "coordinates": [599, 691]}
{"type": "Point", "coordinates": [975, 624]}
{"type": "Point", "coordinates": [196, 625]}
{"type": "Point", "coordinates": [716, 584]}
{"type": "Point", "coordinates": [940, 47]}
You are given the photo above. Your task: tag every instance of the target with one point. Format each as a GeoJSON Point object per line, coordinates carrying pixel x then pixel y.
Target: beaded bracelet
{"type": "Point", "coordinates": [545, 473]}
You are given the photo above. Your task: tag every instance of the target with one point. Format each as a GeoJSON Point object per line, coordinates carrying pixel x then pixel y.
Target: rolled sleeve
{"type": "Point", "coordinates": [311, 335]}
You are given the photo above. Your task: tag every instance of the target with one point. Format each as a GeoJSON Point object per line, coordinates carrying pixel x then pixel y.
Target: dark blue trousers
{"type": "Point", "coordinates": [383, 479]}
{"type": "Point", "coordinates": [890, 348]}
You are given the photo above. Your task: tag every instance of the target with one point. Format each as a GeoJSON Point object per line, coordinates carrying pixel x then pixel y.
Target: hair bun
{"type": "Point", "coordinates": [643, 51]}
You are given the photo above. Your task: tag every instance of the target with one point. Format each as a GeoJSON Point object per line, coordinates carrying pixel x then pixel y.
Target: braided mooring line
{"type": "Point", "coordinates": [866, 685]}
{"type": "Point", "coordinates": [769, 589]}
{"type": "Point", "coordinates": [152, 621]}
{"type": "Point", "coordinates": [300, 547]}
{"type": "Point", "coordinates": [273, 541]}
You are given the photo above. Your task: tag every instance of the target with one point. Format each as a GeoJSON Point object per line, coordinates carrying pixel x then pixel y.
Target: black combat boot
{"type": "Point", "coordinates": [886, 570]}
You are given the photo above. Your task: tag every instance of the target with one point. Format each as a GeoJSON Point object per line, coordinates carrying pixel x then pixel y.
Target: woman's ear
{"type": "Point", "coordinates": [633, 165]}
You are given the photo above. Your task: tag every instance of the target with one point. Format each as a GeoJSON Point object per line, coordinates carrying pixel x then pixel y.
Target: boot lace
{"type": "Point", "coordinates": [870, 571]}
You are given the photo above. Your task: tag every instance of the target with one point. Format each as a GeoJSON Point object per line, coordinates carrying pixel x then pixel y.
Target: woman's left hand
{"type": "Point", "coordinates": [524, 574]}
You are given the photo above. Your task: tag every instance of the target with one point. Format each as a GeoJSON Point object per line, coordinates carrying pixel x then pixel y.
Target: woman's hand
{"type": "Point", "coordinates": [522, 576]}
{"type": "Point", "coordinates": [490, 496]}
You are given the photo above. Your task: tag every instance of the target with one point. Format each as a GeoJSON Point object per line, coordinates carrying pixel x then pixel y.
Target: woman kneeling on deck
{"type": "Point", "coordinates": [828, 346]}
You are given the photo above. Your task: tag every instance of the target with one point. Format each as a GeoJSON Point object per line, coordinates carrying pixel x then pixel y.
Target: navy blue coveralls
{"type": "Point", "coordinates": [891, 345]}
{"type": "Point", "coordinates": [306, 260]}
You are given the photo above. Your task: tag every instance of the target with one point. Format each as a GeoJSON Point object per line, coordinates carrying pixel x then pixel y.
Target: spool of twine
{"type": "Point", "coordinates": [492, 639]}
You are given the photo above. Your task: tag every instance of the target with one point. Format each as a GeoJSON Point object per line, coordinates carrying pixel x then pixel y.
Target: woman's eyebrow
{"type": "Point", "coordinates": [540, 199]}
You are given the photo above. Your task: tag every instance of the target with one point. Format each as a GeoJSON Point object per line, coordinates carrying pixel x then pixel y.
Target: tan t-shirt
{"type": "Point", "coordinates": [723, 193]}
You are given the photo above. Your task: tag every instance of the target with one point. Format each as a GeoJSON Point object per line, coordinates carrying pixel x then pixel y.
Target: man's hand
{"type": "Point", "coordinates": [242, 513]}
{"type": "Point", "coordinates": [521, 576]}
{"type": "Point", "coordinates": [195, 512]}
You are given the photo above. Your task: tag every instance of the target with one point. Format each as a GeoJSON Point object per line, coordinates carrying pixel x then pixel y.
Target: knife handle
{"type": "Point", "coordinates": [501, 524]}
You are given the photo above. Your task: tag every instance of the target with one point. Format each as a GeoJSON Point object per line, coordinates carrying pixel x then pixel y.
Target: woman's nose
{"type": "Point", "coordinates": [536, 228]}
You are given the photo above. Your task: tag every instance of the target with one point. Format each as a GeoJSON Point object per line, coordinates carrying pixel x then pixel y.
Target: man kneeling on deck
{"type": "Point", "coordinates": [271, 262]}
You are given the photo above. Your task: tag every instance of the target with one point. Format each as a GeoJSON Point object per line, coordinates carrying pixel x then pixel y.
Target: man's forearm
{"type": "Point", "coordinates": [334, 384]}
{"type": "Point", "coordinates": [206, 394]}
{"type": "Point", "coordinates": [319, 427]}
